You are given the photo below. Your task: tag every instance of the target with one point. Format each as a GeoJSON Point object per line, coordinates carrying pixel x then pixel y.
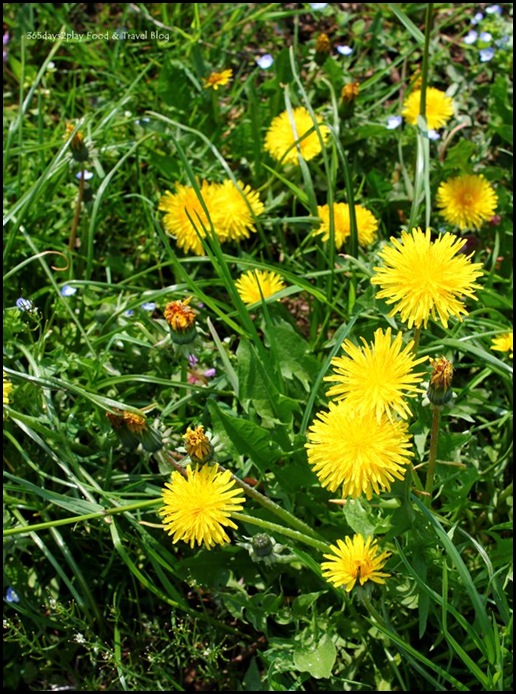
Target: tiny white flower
{"type": "Point", "coordinates": [67, 290]}
{"type": "Point", "coordinates": [393, 122]}
{"type": "Point", "coordinates": [86, 175]}
{"type": "Point", "coordinates": [344, 50]}
{"type": "Point", "coordinates": [471, 37]}
{"type": "Point", "coordinates": [318, 5]}
{"type": "Point", "coordinates": [433, 135]}
{"type": "Point", "coordinates": [265, 61]}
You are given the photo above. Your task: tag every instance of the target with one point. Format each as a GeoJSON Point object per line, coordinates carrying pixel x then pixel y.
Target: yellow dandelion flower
{"type": "Point", "coordinates": [198, 507]}
{"type": "Point", "coordinates": [502, 343]}
{"type": "Point", "coordinates": [8, 388]}
{"type": "Point", "coordinates": [254, 284]}
{"type": "Point", "coordinates": [357, 450]}
{"type": "Point", "coordinates": [218, 79]}
{"type": "Point", "coordinates": [185, 217]}
{"type": "Point", "coordinates": [283, 134]}
{"type": "Point", "coordinates": [425, 278]}
{"type": "Point", "coordinates": [198, 445]}
{"type": "Point", "coordinates": [235, 210]}
{"type": "Point", "coordinates": [467, 201]}
{"type": "Point", "coordinates": [377, 377]}
{"type": "Point", "coordinates": [367, 224]}
{"type": "Point", "coordinates": [439, 108]}
{"type": "Point", "coordinates": [356, 559]}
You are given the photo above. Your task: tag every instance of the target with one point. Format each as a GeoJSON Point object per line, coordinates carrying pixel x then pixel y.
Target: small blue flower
{"type": "Point", "coordinates": [318, 5]}
{"type": "Point", "coordinates": [24, 304]}
{"type": "Point", "coordinates": [393, 122]}
{"type": "Point", "coordinates": [265, 61]}
{"type": "Point", "coordinates": [129, 312]}
{"type": "Point", "coordinates": [486, 54]}
{"type": "Point", "coordinates": [149, 306]}
{"type": "Point", "coordinates": [67, 290]}
{"type": "Point", "coordinates": [477, 18]}
{"type": "Point", "coordinates": [502, 42]}
{"type": "Point", "coordinates": [86, 175]}
{"type": "Point", "coordinates": [486, 36]}
{"type": "Point", "coordinates": [494, 9]}
{"type": "Point", "coordinates": [471, 37]}
{"type": "Point", "coordinates": [433, 135]}
{"type": "Point", "coordinates": [11, 595]}
{"type": "Point", "coordinates": [344, 50]}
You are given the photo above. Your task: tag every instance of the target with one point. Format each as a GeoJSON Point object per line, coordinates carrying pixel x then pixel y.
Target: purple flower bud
{"type": "Point", "coordinates": [209, 373]}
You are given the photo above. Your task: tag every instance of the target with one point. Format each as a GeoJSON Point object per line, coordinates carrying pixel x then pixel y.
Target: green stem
{"type": "Point", "coordinates": [416, 338]}
{"type": "Point", "coordinates": [421, 176]}
{"type": "Point", "coordinates": [280, 529]}
{"type": "Point", "coordinates": [75, 223]}
{"type": "Point", "coordinates": [79, 519]}
{"type": "Point", "coordinates": [432, 458]}
{"type": "Point", "coordinates": [273, 507]}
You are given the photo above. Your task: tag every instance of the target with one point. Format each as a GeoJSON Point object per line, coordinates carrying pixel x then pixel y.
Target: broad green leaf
{"type": "Point", "coordinates": [243, 437]}
{"type": "Point", "coordinates": [317, 660]}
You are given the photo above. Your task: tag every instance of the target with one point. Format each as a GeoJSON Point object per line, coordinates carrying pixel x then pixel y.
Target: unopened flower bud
{"type": "Point", "coordinates": [198, 445]}
{"type": "Point", "coordinates": [440, 391]}
{"type": "Point", "coordinates": [181, 320]}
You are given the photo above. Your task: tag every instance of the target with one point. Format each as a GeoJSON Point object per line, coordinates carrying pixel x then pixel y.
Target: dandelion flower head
{"type": "Point", "coordinates": [439, 108]}
{"type": "Point", "coordinates": [503, 343]}
{"type": "Point", "coordinates": [356, 450]}
{"type": "Point", "coordinates": [283, 134]}
{"type": "Point", "coordinates": [254, 284]}
{"type": "Point", "coordinates": [367, 224]}
{"type": "Point", "coordinates": [8, 388]}
{"type": "Point", "coordinates": [377, 377]}
{"type": "Point", "coordinates": [234, 210]}
{"type": "Point", "coordinates": [467, 201]}
{"type": "Point", "coordinates": [425, 278]}
{"type": "Point", "coordinates": [197, 508]}
{"type": "Point", "coordinates": [185, 218]}
{"type": "Point", "coordinates": [356, 559]}
{"type": "Point", "coordinates": [179, 315]}
{"type": "Point", "coordinates": [218, 79]}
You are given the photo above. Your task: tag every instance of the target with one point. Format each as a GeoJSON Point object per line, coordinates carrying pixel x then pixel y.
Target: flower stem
{"type": "Point", "coordinates": [280, 529]}
{"type": "Point", "coordinates": [273, 507]}
{"type": "Point", "coordinates": [432, 458]}
{"type": "Point", "coordinates": [75, 223]}
{"type": "Point", "coordinates": [79, 519]}
{"type": "Point", "coordinates": [416, 338]}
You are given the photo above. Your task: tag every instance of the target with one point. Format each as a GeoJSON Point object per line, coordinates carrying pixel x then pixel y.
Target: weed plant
{"type": "Point", "coordinates": [258, 347]}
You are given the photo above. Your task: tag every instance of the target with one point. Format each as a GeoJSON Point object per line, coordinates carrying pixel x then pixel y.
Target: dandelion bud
{"type": "Point", "coordinates": [181, 320]}
{"type": "Point", "coordinates": [439, 391]}
{"type": "Point", "coordinates": [322, 48]}
{"type": "Point", "coordinates": [77, 146]}
{"type": "Point", "coordinates": [262, 545]}
{"type": "Point", "coordinates": [198, 445]}
{"type": "Point", "coordinates": [132, 429]}
{"type": "Point", "coordinates": [348, 95]}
